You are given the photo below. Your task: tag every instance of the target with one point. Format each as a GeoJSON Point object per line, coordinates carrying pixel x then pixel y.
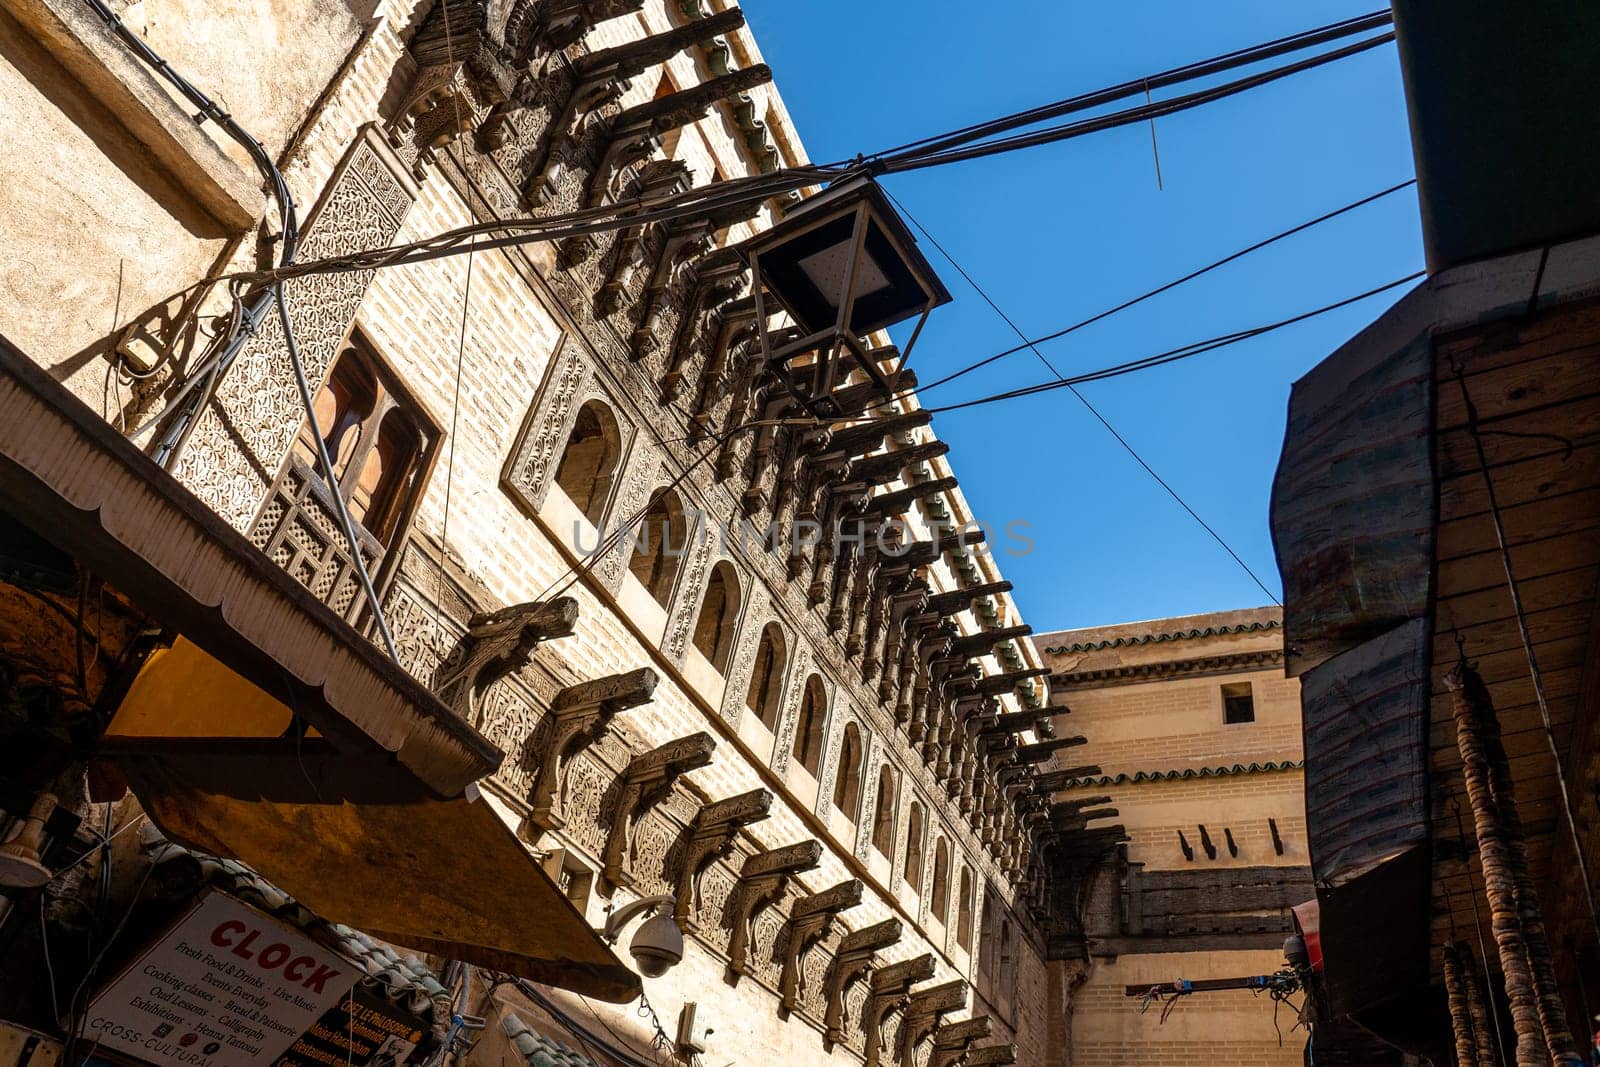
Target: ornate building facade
{"type": "Point", "coordinates": [825, 753]}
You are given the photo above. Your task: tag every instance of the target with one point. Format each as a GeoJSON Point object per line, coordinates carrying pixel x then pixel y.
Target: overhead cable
{"type": "Point", "coordinates": [1173, 355]}
{"type": "Point", "coordinates": [1028, 343]}
{"type": "Point", "coordinates": [700, 201]}
{"type": "Point", "coordinates": [921, 159]}
{"type": "Point", "coordinates": [1105, 422]}
{"type": "Point", "coordinates": [274, 296]}
{"type": "Point", "coordinates": [1140, 86]}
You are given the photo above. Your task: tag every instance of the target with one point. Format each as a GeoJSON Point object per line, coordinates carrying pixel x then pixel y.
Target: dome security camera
{"type": "Point", "coordinates": [657, 946]}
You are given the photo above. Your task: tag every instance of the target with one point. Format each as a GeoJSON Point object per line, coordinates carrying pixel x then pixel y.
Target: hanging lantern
{"type": "Point", "coordinates": [841, 265]}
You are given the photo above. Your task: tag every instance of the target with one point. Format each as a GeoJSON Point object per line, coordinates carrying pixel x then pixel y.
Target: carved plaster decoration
{"type": "Point", "coordinates": [646, 782]}
{"type": "Point", "coordinates": [701, 544]}
{"type": "Point", "coordinates": [834, 742]}
{"type": "Point", "coordinates": [762, 880]}
{"type": "Point", "coordinates": [711, 837]}
{"type": "Point", "coordinates": [498, 643]}
{"type": "Point", "coordinates": [890, 988]}
{"type": "Point", "coordinates": [851, 962]}
{"type": "Point", "coordinates": [924, 1009]}
{"type": "Point", "coordinates": [530, 470]}
{"type": "Point", "coordinates": [247, 430]}
{"type": "Point", "coordinates": [952, 1040]}
{"type": "Point", "coordinates": [640, 476]}
{"type": "Point", "coordinates": [872, 769]}
{"type": "Point", "coordinates": [743, 663]}
{"type": "Point", "coordinates": [794, 692]}
{"type": "Point", "coordinates": [575, 720]}
{"type": "Point", "coordinates": [810, 919]}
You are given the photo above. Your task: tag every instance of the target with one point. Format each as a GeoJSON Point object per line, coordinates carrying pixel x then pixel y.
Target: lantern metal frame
{"type": "Point", "coordinates": [878, 239]}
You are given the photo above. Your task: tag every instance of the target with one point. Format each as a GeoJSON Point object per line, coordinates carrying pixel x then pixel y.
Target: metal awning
{"type": "Point", "coordinates": [273, 733]}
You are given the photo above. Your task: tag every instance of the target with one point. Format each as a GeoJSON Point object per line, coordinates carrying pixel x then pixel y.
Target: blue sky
{"type": "Point", "coordinates": [1057, 233]}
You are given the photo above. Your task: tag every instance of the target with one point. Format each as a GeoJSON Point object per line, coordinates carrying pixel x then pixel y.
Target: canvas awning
{"type": "Point", "coordinates": [360, 800]}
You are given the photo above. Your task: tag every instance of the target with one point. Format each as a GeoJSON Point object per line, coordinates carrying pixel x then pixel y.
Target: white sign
{"type": "Point", "coordinates": [226, 986]}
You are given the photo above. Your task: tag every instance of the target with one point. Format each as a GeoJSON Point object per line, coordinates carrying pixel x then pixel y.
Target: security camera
{"type": "Point", "coordinates": [658, 945]}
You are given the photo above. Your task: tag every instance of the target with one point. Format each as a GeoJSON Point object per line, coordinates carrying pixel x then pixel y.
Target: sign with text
{"type": "Point", "coordinates": [362, 1030]}
{"type": "Point", "coordinates": [225, 986]}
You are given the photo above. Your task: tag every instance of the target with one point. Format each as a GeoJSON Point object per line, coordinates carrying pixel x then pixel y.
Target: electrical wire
{"type": "Point", "coordinates": [1062, 381]}
{"type": "Point", "coordinates": [275, 295]}
{"type": "Point", "coordinates": [620, 1054]}
{"type": "Point", "coordinates": [1173, 355]}
{"type": "Point", "coordinates": [1281, 235]}
{"type": "Point", "coordinates": [1135, 87]}
{"type": "Point", "coordinates": [703, 200]}
{"type": "Point", "coordinates": [455, 400]}
{"type": "Point", "coordinates": [1129, 116]}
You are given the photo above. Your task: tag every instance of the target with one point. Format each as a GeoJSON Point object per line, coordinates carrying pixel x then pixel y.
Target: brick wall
{"type": "Point", "coordinates": [1148, 697]}
{"type": "Point", "coordinates": [478, 366]}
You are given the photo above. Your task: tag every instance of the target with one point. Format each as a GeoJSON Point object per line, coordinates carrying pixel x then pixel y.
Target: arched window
{"type": "Point", "coordinates": [986, 945]}
{"type": "Point", "coordinates": [883, 814]}
{"type": "Point", "coordinates": [589, 464]}
{"type": "Point", "coordinates": [766, 680]}
{"type": "Point", "coordinates": [658, 546]}
{"type": "Point", "coordinates": [847, 784]}
{"type": "Point", "coordinates": [375, 444]}
{"type": "Point", "coordinates": [913, 868]}
{"type": "Point", "coordinates": [808, 729]}
{"type": "Point", "coordinates": [719, 611]}
{"type": "Point", "coordinates": [941, 881]}
{"type": "Point", "coordinates": [381, 444]}
{"type": "Point", "coordinates": [1006, 979]}
{"type": "Point", "coordinates": [964, 911]}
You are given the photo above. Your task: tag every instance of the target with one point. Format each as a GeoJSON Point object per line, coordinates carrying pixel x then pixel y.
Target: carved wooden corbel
{"type": "Point", "coordinates": [498, 643]}
{"type": "Point", "coordinates": [762, 881]}
{"type": "Point", "coordinates": [809, 921]}
{"type": "Point", "coordinates": [1040, 751]}
{"type": "Point", "coordinates": [952, 1040]}
{"type": "Point", "coordinates": [890, 989]}
{"type": "Point", "coordinates": [636, 131]}
{"type": "Point", "coordinates": [709, 837]}
{"type": "Point", "coordinates": [564, 22]}
{"type": "Point", "coordinates": [991, 1056]}
{"type": "Point", "coordinates": [850, 964]}
{"type": "Point", "coordinates": [578, 714]}
{"type": "Point", "coordinates": [646, 782]}
{"type": "Point", "coordinates": [996, 684]}
{"type": "Point", "coordinates": [924, 1009]}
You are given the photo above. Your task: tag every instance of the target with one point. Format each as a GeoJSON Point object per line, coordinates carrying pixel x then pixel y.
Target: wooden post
{"type": "Point", "coordinates": [1471, 702]}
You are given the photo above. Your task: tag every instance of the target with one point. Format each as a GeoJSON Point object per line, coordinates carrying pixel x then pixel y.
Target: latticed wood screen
{"type": "Point", "coordinates": [299, 530]}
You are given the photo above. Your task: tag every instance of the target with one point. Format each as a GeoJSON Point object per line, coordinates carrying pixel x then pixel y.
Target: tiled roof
{"type": "Point", "coordinates": [1189, 772]}
{"type": "Point", "coordinates": [538, 1050]}
{"type": "Point", "coordinates": [1173, 635]}
{"type": "Point", "coordinates": [404, 980]}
